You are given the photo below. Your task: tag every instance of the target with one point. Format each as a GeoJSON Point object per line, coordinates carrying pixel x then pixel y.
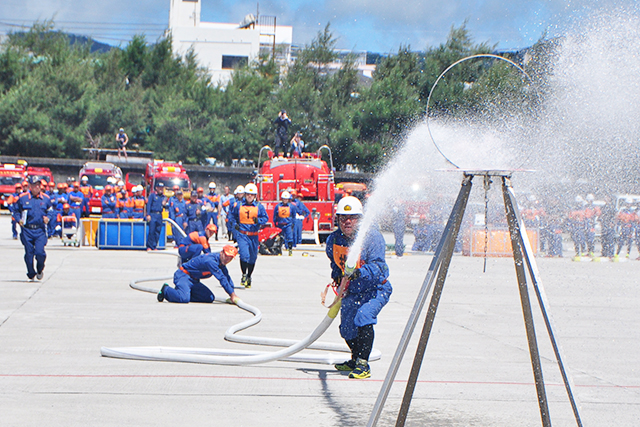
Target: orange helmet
{"type": "Point", "coordinates": [43, 182]}
{"type": "Point", "coordinates": [108, 187]}
{"type": "Point", "coordinates": [18, 185]}
{"type": "Point", "coordinates": [76, 184]}
{"type": "Point", "coordinates": [212, 227]}
{"type": "Point", "coordinates": [200, 190]}
{"type": "Point", "coordinates": [61, 186]}
{"type": "Point", "coordinates": [52, 184]}
{"type": "Point", "coordinates": [230, 250]}
{"type": "Point", "coordinates": [66, 206]}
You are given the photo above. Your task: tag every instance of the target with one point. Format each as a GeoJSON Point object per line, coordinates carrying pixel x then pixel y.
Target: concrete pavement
{"type": "Point", "coordinates": [476, 372]}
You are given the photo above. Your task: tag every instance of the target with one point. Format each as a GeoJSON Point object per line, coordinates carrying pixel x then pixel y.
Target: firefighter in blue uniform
{"type": "Point", "coordinates": [248, 216]}
{"type": "Point", "coordinates": [157, 202]}
{"type": "Point", "coordinates": [178, 210]}
{"type": "Point", "coordinates": [302, 213]}
{"type": "Point", "coordinates": [33, 208]}
{"type": "Point", "coordinates": [12, 203]}
{"type": "Point", "coordinates": [212, 203]}
{"type": "Point", "coordinates": [194, 212]}
{"type": "Point", "coordinates": [283, 217]}
{"type": "Point", "coordinates": [76, 199]}
{"type": "Point", "coordinates": [109, 203]}
{"type": "Point", "coordinates": [139, 202]}
{"type": "Point", "coordinates": [238, 196]}
{"type": "Point", "coordinates": [196, 243]}
{"type": "Point", "coordinates": [368, 290]}
{"type": "Point", "coordinates": [186, 279]}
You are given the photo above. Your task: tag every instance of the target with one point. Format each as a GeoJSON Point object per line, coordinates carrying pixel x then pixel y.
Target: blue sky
{"type": "Point", "coordinates": [372, 25]}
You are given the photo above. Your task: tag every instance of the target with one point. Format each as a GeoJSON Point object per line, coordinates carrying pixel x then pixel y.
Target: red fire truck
{"type": "Point", "coordinates": [10, 175]}
{"type": "Point", "coordinates": [309, 176]}
{"type": "Point", "coordinates": [42, 173]}
{"type": "Point", "coordinates": [98, 173]}
{"type": "Point", "coordinates": [170, 174]}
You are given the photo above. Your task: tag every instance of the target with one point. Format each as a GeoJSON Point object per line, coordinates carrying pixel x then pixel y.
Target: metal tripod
{"type": "Point", "coordinates": [522, 254]}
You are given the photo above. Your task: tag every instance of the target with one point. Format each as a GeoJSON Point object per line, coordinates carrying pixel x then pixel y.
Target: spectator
{"type": "Point", "coordinates": [122, 139]}
{"type": "Point", "coordinates": [282, 129]}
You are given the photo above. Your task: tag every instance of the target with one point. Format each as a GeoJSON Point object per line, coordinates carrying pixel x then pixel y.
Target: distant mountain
{"type": "Point", "coordinates": [95, 45]}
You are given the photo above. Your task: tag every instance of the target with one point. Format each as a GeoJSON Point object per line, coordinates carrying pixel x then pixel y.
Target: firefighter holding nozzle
{"type": "Point", "coordinates": [367, 289]}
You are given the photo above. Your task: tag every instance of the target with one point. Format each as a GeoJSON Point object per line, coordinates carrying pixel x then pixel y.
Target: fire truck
{"type": "Point", "coordinates": [41, 173]}
{"type": "Point", "coordinates": [10, 175]}
{"type": "Point", "coordinates": [170, 174]}
{"type": "Point", "coordinates": [309, 176]}
{"type": "Point", "coordinates": [98, 173]}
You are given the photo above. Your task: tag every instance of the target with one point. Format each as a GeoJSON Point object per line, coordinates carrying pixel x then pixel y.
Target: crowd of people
{"type": "Point", "coordinates": [596, 229]}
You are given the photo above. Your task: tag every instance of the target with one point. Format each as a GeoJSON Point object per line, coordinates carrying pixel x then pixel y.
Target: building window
{"type": "Point", "coordinates": [231, 62]}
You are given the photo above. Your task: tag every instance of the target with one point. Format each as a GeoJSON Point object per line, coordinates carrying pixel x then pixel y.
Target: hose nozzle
{"type": "Point", "coordinates": [349, 269]}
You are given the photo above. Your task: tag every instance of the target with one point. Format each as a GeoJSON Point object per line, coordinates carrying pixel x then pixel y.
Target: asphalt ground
{"type": "Point", "coordinates": [476, 371]}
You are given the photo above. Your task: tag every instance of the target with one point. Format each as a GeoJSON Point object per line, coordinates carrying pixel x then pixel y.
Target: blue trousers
{"type": "Point", "coordinates": [187, 289]}
{"type": "Point", "coordinates": [14, 227]}
{"type": "Point", "coordinates": [297, 232]}
{"type": "Point", "coordinates": [194, 225]}
{"type": "Point", "coordinates": [190, 251]}
{"type": "Point", "coordinates": [34, 242]}
{"type": "Point", "coordinates": [155, 226]}
{"type": "Point", "coordinates": [212, 217]}
{"type": "Point", "coordinates": [362, 310]}
{"type": "Point", "coordinates": [247, 247]}
{"type": "Point", "coordinates": [287, 233]}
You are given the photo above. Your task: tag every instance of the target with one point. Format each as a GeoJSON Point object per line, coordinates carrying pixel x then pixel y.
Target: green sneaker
{"type": "Point", "coordinates": [161, 293]}
{"type": "Point", "coordinates": [361, 371]}
{"type": "Point", "coordinates": [243, 282]}
{"type": "Point", "coordinates": [348, 365]}
{"type": "Point", "coordinates": [247, 284]}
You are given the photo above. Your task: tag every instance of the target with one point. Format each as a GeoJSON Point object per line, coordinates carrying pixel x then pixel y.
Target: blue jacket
{"type": "Point", "coordinates": [374, 271]}
{"type": "Point", "coordinates": [207, 265]}
{"type": "Point", "coordinates": [283, 215]}
{"type": "Point", "coordinates": [109, 204]}
{"type": "Point", "coordinates": [301, 209]}
{"type": "Point", "coordinates": [245, 215]}
{"type": "Point", "coordinates": [35, 209]}
{"type": "Point", "coordinates": [155, 203]}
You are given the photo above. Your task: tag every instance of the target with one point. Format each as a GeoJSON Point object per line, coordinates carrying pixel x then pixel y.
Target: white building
{"type": "Point", "coordinates": [221, 47]}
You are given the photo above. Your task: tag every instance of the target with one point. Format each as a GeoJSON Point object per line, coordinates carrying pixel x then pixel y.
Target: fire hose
{"type": "Point", "coordinates": [291, 351]}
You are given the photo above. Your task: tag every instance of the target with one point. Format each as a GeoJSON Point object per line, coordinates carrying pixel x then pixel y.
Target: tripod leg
{"type": "Point", "coordinates": [516, 238]}
{"type": "Point", "coordinates": [447, 236]}
{"type": "Point", "coordinates": [542, 301]}
{"type": "Point", "coordinates": [428, 322]}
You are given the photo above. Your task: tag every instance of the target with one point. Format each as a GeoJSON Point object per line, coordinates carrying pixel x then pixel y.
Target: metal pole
{"type": "Point", "coordinates": [516, 239]}
{"type": "Point", "coordinates": [431, 314]}
{"type": "Point", "coordinates": [543, 302]}
{"type": "Point", "coordinates": [458, 209]}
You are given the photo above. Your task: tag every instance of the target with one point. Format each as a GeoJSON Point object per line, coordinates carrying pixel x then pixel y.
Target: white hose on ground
{"type": "Point", "coordinates": [241, 357]}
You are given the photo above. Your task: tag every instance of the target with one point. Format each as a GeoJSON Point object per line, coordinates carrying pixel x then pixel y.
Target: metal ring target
{"type": "Point", "coordinates": [484, 55]}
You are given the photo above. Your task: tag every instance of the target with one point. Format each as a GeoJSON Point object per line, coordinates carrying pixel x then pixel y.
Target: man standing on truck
{"type": "Point", "coordinates": [122, 139]}
{"type": "Point", "coordinates": [33, 208]}
{"type": "Point", "coordinates": [282, 129]}
{"type": "Point", "coordinates": [248, 216]}
{"type": "Point", "coordinates": [157, 202]}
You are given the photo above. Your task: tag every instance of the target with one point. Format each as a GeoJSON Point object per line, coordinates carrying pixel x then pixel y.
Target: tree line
{"type": "Point", "coordinates": [54, 95]}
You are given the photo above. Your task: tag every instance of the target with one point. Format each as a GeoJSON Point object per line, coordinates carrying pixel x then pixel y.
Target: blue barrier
{"type": "Point", "coordinates": [126, 234]}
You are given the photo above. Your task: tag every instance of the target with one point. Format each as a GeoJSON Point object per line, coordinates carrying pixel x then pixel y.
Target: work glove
{"type": "Point", "coordinates": [355, 275]}
{"type": "Point", "coordinates": [255, 220]}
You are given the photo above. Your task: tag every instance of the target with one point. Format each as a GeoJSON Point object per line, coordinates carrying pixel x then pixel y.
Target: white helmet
{"type": "Point", "coordinates": [239, 190]}
{"type": "Point", "coordinates": [251, 189]}
{"type": "Point", "coordinates": [212, 185]}
{"type": "Point", "coordinates": [111, 180]}
{"type": "Point", "coordinates": [285, 195]}
{"type": "Point", "coordinates": [134, 189]}
{"type": "Point", "coordinates": [139, 187]}
{"type": "Point", "coordinates": [349, 205]}
{"type": "Point", "coordinates": [120, 183]}
{"type": "Point", "coordinates": [84, 178]}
